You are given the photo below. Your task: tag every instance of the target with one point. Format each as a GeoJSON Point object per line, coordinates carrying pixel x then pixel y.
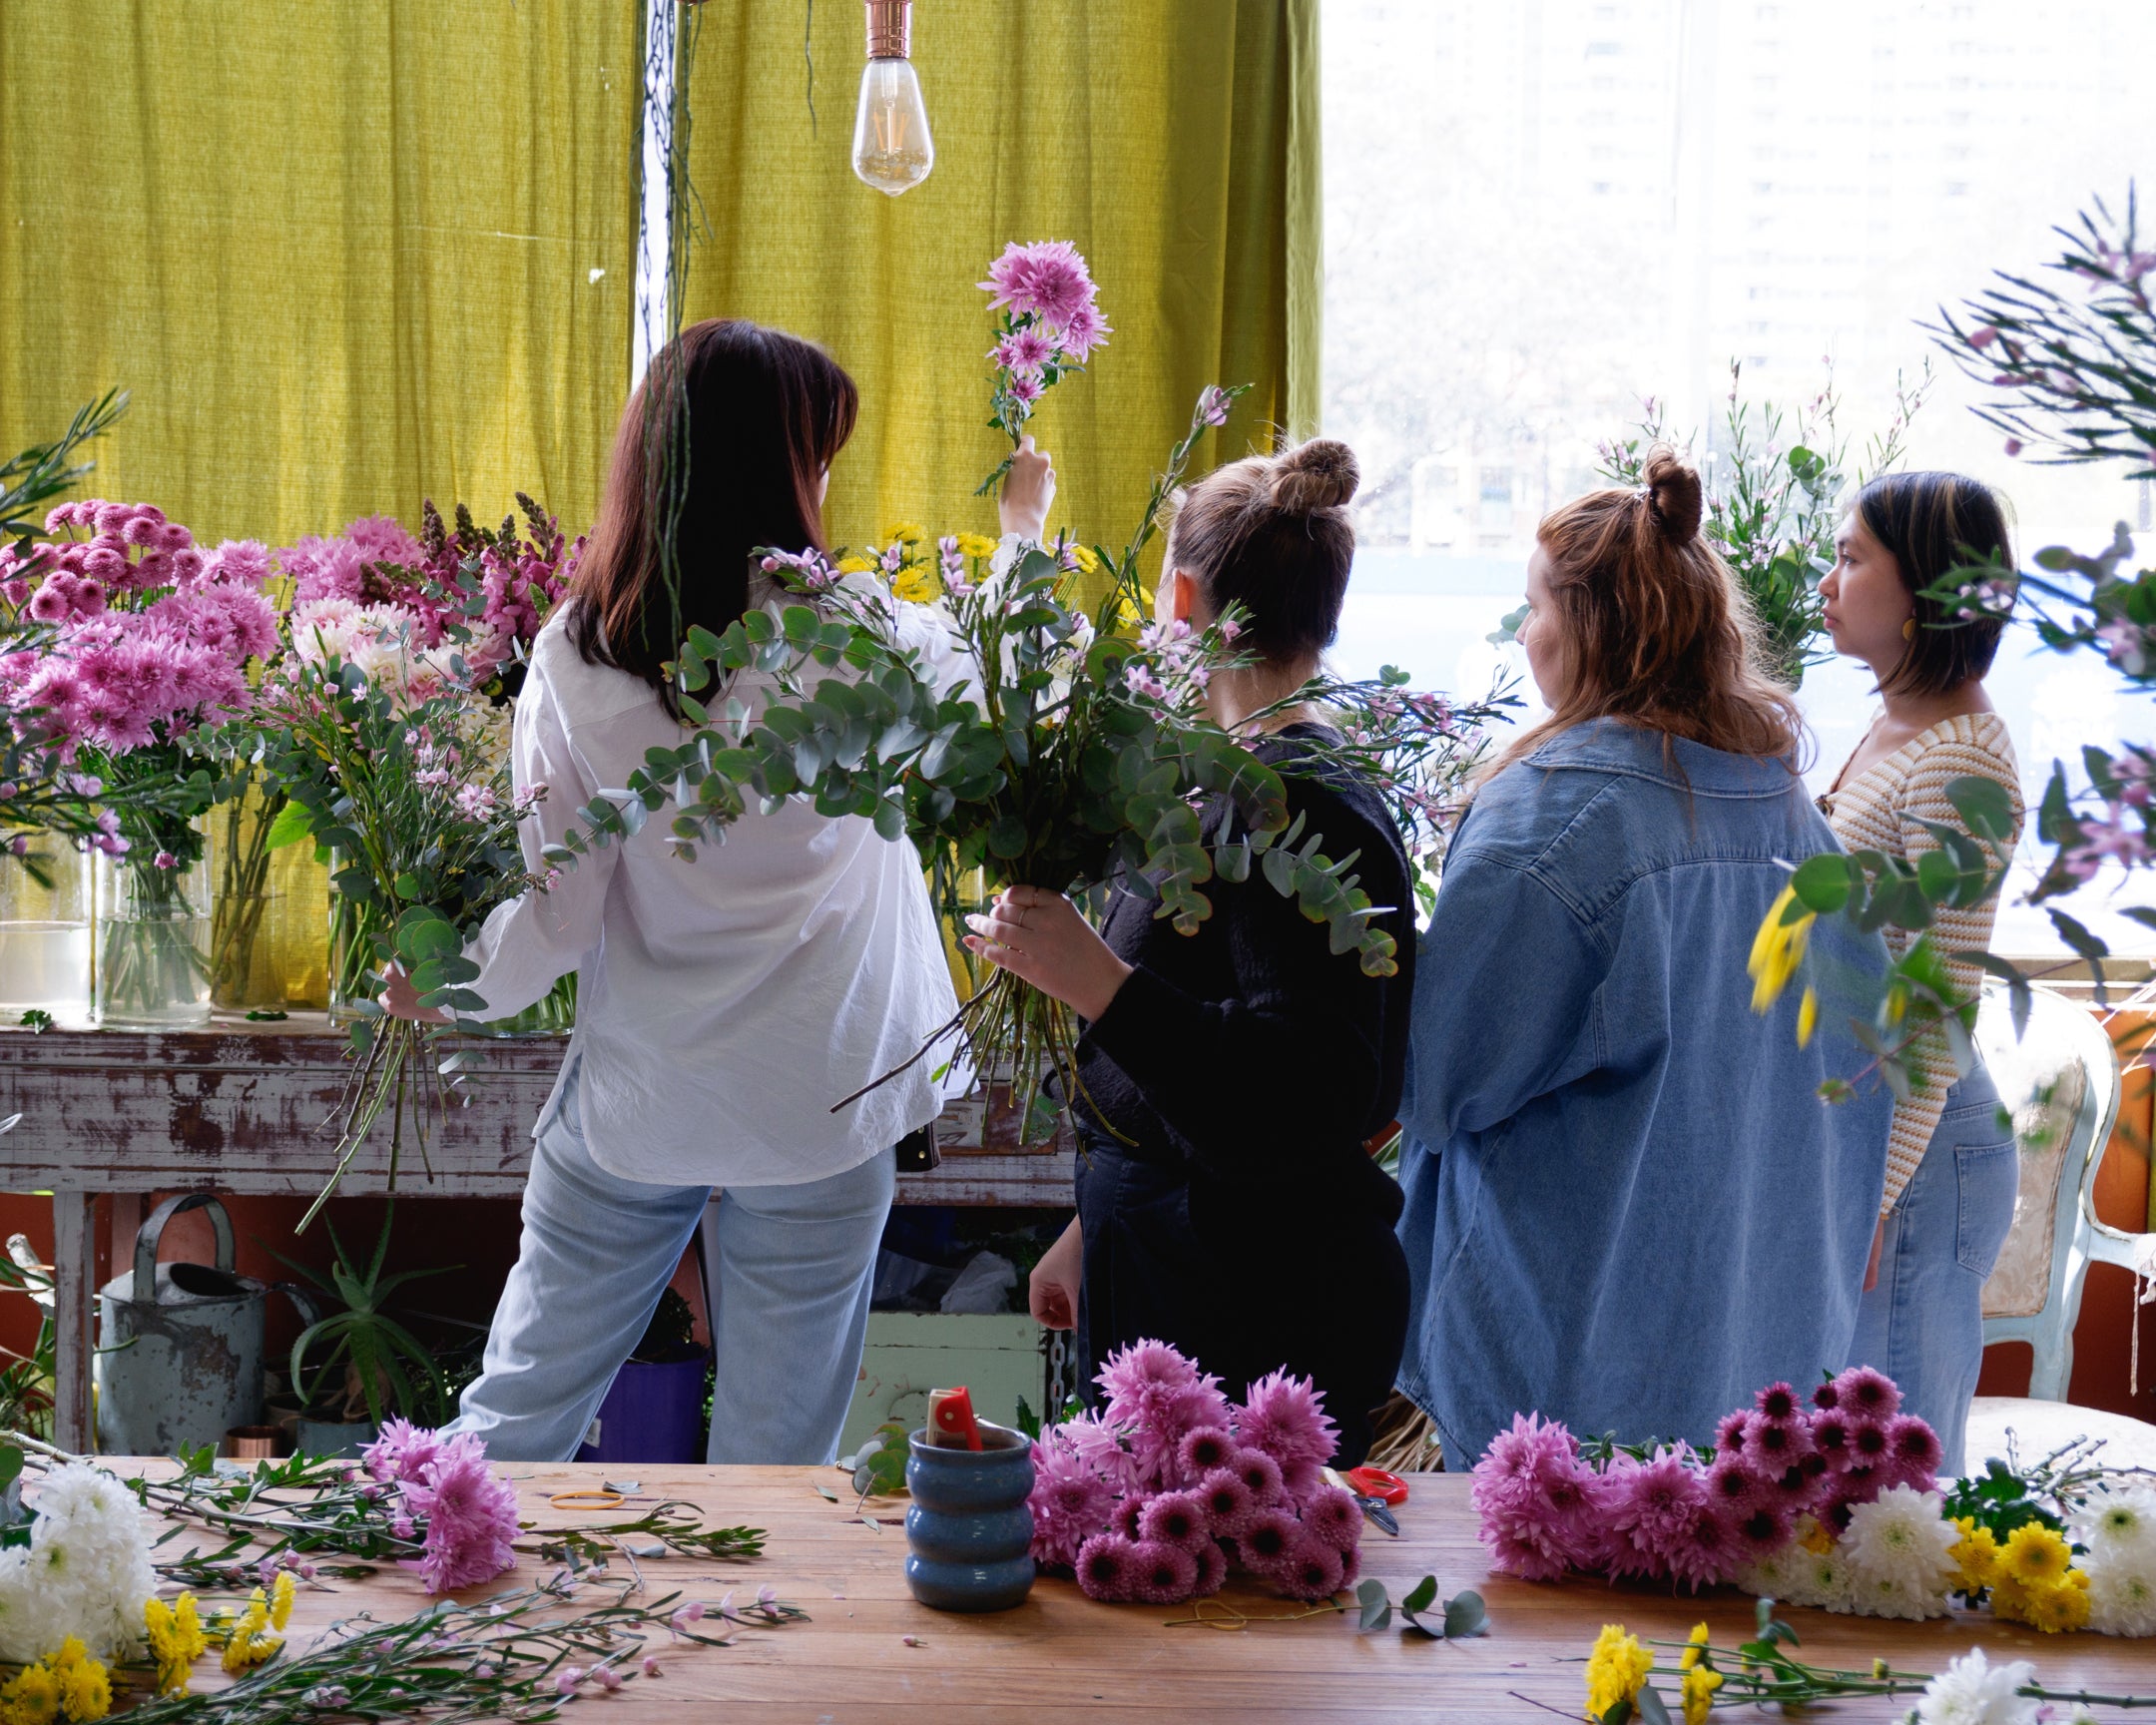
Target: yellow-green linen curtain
{"type": "Point", "coordinates": [345, 255]}
{"type": "Point", "coordinates": [1175, 141]}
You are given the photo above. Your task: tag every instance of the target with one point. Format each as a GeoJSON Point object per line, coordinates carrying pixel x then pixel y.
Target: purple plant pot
{"type": "Point", "coordinates": [652, 1414]}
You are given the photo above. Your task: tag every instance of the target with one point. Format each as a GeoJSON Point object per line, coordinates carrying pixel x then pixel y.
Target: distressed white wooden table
{"type": "Point", "coordinates": [240, 1107]}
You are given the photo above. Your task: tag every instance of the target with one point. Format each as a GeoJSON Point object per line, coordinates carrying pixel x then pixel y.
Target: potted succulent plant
{"type": "Point", "coordinates": [654, 1411]}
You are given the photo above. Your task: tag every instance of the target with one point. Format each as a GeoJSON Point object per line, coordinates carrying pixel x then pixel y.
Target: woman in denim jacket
{"type": "Point", "coordinates": [1627, 1207]}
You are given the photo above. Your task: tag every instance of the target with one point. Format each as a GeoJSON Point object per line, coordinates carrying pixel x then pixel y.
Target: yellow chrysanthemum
{"type": "Point", "coordinates": [1693, 1648]}
{"type": "Point", "coordinates": [2035, 1554]}
{"type": "Point", "coordinates": [1813, 1537]}
{"type": "Point", "coordinates": [908, 533]}
{"type": "Point", "coordinates": [1978, 1552]}
{"type": "Point", "coordinates": [85, 1685]}
{"type": "Point", "coordinates": [1699, 1685]}
{"type": "Point", "coordinates": [2051, 1606]}
{"type": "Point", "coordinates": [249, 1642]}
{"type": "Point", "coordinates": [918, 585]}
{"type": "Point", "coordinates": [1777, 950]}
{"type": "Point", "coordinates": [1617, 1670]}
{"type": "Point", "coordinates": [31, 1697]}
{"type": "Point", "coordinates": [1087, 559]}
{"type": "Point", "coordinates": [854, 563]}
{"type": "Point", "coordinates": [176, 1640]}
{"type": "Point", "coordinates": [1807, 1018]}
{"type": "Point", "coordinates": [281, 1599]}
{"type": "Point", "coordinates": [975, 545]}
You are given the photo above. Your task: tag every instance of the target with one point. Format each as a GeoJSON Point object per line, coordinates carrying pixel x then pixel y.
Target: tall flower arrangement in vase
{"type": "Point", "coordinates": [384, 725]}
{"type": "Point", "coordinates": [150, 641]}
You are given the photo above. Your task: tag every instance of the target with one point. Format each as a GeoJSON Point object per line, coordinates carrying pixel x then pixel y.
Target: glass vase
{"type": "Point", "coordinates": [153, 943]}
{"type": "Point", "coordinates": [45, 932]}
{"type": "Point", "coordinates": [555, 1015]}
{"type": "Point", "coordinates": [269, 952]}
{"type": "Point", "coordinates": [354, 966]}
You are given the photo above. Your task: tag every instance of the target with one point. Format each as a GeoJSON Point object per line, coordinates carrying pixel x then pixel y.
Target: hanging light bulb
{"type": "Point", "coordinates": [892, 148]}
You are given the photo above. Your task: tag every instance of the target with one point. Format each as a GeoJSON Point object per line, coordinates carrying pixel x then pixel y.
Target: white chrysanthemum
{"type": "Point", "coordinates": [2119, 1520]}
{"type": "Point", "coordinates": [1890, 1597]}
{"type": "Point", "coordinates": [86, 1573]}
{"type": "Point", "coordinates": [1898, 1546]}
{"type": "Point", "coordinates": [1778, 1576]}
{"type": "Point", "coordinates": [1821, 1578]}
{"type": "Point", "coordinates": [2122, 1593]}
{"type": "Point", "coordinates": [1973, 1691]}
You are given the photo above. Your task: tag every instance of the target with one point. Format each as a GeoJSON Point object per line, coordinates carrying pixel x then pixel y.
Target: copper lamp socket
{"type": "Point", "coordinates": [890, 29]}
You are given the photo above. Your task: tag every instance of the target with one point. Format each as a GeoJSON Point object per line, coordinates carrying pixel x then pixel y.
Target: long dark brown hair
{"type": "Point", "coordinates": [766, 415]}
{"type": "Point", "coordinates": [1932, 524]}
{"type": "Point", "coordinates": [1656, 630]}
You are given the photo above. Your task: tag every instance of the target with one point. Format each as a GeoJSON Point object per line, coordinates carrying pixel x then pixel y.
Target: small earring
{"type": "Point", "coordinates": [1908, 630]}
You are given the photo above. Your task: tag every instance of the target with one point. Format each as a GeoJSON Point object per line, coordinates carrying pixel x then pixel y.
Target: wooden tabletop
{"type": "Point", "coordinates": [1061, 1656]}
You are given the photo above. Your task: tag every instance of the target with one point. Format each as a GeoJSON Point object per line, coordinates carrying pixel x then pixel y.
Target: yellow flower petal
{"type": "Point", "coordinates": [1807, 1018]}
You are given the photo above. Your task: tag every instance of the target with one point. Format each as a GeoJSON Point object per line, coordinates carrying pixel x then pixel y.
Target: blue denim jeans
{"type": "Point", "coordinates": [1923, 1324]}
{"type": "Point", "coordinates": [792, 1268]}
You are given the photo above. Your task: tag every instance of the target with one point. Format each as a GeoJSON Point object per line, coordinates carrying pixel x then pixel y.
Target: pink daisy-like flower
{"type": "Point", "coordinates": [1070, 1504]}
{"type": "Point", "coordinates": [1101, 1446]}
{"type": "Point", "coordinates": [1047, 278]}
{"type": "Point", "coordinates": [1026, 386]}
{"type": "Point", "coordinates": [1736, 1488]}
{"type": "Point", "coordinates": [471, 1520]}
{"type": "Point", "coordinates": [1212, 1564]}
{"type": "Point", "coordinates": [1285, 1417]}
{"type": "Point", "coordinates": [1204, 1449]}
{"type": "Point", "coordinates": [1334, 1516]}
{"type": "Point", "coordinates": [1826, 1396]}
{"type": "Point", "coordinates": [1772, 1446]}
{"type": "Point", "coordinates": [1083, 330]}
{"type": "Point", "coordinates": [1267, 1540]}
{"type": "Point", "coordinates": [401, 1452]}
{"type": "Point", "coordinates": [382, 539]}
{"type": "Point", "coordinates": [1130, 1375]}
{"type": "Point", "coordinates": [1301, 1479]}
{"type": "Point", "coordinates": [1027, 349]}
{"type": "Point", "coordinates": [1867, 1394]}
{"type": "Point", "coordinates": [1312, 1568]}
{"type": "Point", "coordinates": [1831, 1439]}
{"type": "Point", "coordinates": [1105, 1567]}
{"type": "Point", "coordinates": [1913, 1447]}
{"type": "Point", "coordinates": [1730, 1434]}
{"type": "Point", "coordinates": [1351, 1566]}
{"type": "Point", "coordinates": [1531, 1493]}
{"type": "Point", "coordinates": [1228, 1500]}
{"type": "Point", "coordinates": [1162, 1574]}
{"type": "Point", "coordinates": [1128, 1517]}
{"type": "Point", "coordinates": [1261, 1474]}
{"type": "Point", "coordinates": [1777, 1402]}
{"type": "Point", "coordinates": [1710, 1556]}
{"type": "Point", "coordinates": [1175, 1518]}
{"type": "Point", "coordinates": [1765, 1530]}
{"type": "Point", "coordinates": [1867, 1442]}
{"type": "Point", "coordinates": [243, 562]}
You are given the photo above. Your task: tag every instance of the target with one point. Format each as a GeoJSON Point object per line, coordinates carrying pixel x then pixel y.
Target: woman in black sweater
{"type": "Point", "coordinates": [1225, 1201]}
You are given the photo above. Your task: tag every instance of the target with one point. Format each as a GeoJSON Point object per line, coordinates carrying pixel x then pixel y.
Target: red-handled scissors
{"type": "Point", "coordinates": [1376, 1482]}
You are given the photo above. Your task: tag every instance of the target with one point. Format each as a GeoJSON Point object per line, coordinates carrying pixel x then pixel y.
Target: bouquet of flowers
{"type": "Point", "coordinates": [149, 638]}
{"type": "Point", "coordinates": [1155, 1496]}
{"type": "Point", "coordinates": [1024, 742]}
{"type": "Point", "coordinates": [1836, 1504]}
{"type": "Point", "coordinates": [385, 726]}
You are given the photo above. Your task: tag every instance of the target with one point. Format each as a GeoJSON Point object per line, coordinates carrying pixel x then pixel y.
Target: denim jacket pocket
{"type": "Point", "coordinates": [1988, 1178]}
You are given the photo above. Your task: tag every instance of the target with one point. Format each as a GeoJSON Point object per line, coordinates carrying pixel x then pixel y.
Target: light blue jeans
{"type": "Point", "coordinates": [790, 1286]}
{"type": "Point", "coordinates": [1923, 1324]}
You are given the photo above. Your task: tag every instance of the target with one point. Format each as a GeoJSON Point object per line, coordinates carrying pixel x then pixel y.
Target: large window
{"type": "Point", "coordinates": [1536, 216]}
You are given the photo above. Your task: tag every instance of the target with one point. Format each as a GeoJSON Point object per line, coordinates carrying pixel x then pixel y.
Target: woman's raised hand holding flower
{"type": "Point", "coordinates": [401, 1000]}
{"type": "Point", "coordinates": [1040, 938]}
{"type": "Point", "coordinates": [1028, 489]}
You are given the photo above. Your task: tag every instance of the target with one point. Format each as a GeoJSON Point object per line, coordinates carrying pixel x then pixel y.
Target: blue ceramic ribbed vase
{"type": "Point", "coordinates": [970, 1534]}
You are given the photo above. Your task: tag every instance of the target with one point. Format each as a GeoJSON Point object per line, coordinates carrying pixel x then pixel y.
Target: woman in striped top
{"type": "Point", "coordinates": [1951, 1171]}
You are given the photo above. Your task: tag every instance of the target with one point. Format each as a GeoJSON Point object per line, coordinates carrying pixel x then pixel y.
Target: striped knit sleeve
{"type": "Point", "coordinates": [1971, 746]}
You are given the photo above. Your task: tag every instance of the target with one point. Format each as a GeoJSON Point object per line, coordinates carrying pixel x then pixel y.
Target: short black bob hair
{"type": "Point", "coordinates": [1932, 524]}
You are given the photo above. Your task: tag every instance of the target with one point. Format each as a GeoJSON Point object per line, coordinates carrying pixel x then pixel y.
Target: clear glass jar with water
{"type": "Point", "coordinates": [153, 951]}
{"type": "Point", "coordinates": [45, 932]}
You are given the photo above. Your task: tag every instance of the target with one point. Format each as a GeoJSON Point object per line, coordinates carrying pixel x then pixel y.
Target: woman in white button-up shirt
{"type": "Point", "coordinates": [722, 1004]}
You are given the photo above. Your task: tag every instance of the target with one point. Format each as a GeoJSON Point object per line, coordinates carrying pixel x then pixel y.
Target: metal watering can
{"type": "Point", "coordinates": [179, 1345]}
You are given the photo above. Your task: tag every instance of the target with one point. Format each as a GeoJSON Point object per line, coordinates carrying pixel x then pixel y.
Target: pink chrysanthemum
{"type": "Point", "coordinates": [1867, 1394]}
{"type": "Point", "coordinates": [1047, 278]}
{"type": "Point", "coordinates": [1025, 351]}
{"type": "Point", "coordinates": [382, 539]}
{"type": "Point", "coordinates": [1649, 1511]}
{"type": "Point", "coordinates": [1826, 1396]}
{"type": "Point", "coordinates": [1070, 1504]}
{"type": "Point", "coordinates": [1301, 1480]}
{"type": "Point", "coordinates": [244, 562]}
{"type": "Point", "coordinates": [1736, 1488]}
{"type": "Point", "coordinates": [1228, 1502]}
{"type": "Point", "coordinates": [1730, 1434]}
{"type": "Point", "coordinates": [471, 1523]}
{"type": "Point", "coordinates": [1128, 1517]}
{"type": "Point", "coordinates": [1777, 1402]}
{"type": "Point", "coordinates": [1261, 1474]}
{"type": "Point", "coordinates": [1175, 1518]}
{"type": "Point", "coordinates": [1709, 1557]}
{"type": "Point", "coordinates": [1202, 1449]}
{"type": "Point", "coordinates": [1334, 1516]}
{"type": "Point", "coordinates": [1772, 1446]}
{"type": "Point", "coordinates": [1767, 1529]}
{"type": "Point", "coordinates": [1160, 1573]}
{"type": "Point", "coordinates": [1912, 1449]}
{"type": "Point", "coordinates": [1285, 1417]}
{"type": "Point", "coordinates": [1267, 1540]}
{"type": "Point", "coordinates": [1831, 1439]}
{"type": "Point", "coordinates": [401, 1452]}
{"type": "Point", "coordinates": [1105, 1567]}
{"type": "Point", "coordinates": [1531, 1493]}
{"type": "Point", "coordinates": [1212, 1569]}
{"type": "Point", "coordinates": [1351, 1566]}
{"type": "Point", "coordinates": [1146, 1366]}
{"type": "Point", "coordinates": [1868, 1446]}
{"type": "Point", "coordinates": [1083, 330]}
{"type": "Point", "coordinates": [1312, 1568]}
{"type": "Point", "coordinates": [1102, 1447]}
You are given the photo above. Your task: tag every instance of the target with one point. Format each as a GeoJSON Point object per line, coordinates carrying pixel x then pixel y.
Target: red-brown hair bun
{"type": "Point", "coordinates": [1319, 474]}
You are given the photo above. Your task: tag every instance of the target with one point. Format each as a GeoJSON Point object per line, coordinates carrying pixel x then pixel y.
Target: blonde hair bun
{"type": "Point", "coordinates": [1673, 496]}
{"type": "Point", "coordinates": [1319, 474]}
